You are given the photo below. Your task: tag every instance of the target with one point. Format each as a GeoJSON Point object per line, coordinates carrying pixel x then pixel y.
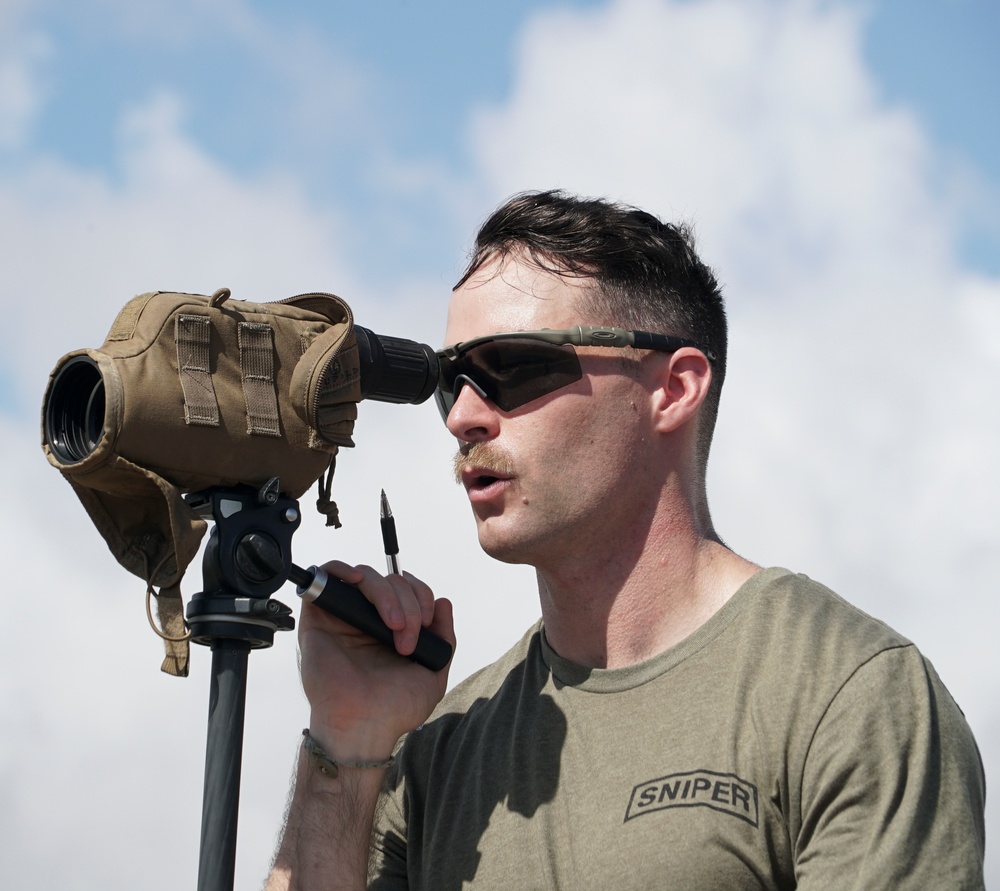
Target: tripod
{"type": "Point", "coordinates": [247, 559]}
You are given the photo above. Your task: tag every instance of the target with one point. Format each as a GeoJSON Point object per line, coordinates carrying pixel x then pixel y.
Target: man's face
{"type": "Point", "coordinates": [561, 473]}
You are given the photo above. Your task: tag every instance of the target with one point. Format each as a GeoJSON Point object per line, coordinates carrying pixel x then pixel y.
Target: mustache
{"type": "Point", "coordinates": [485, 455]}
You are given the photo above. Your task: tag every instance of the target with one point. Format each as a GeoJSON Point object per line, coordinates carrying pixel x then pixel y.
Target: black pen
{"type": "Point", "coordinates": [389, 542]}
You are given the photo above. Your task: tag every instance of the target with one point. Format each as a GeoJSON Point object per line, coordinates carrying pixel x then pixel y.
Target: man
{"type": "Point", "coordinates": [680, 717]}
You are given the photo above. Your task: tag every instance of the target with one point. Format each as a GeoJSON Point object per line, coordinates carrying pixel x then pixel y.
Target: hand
{"type": "Point", "coordinates": [363, 695]}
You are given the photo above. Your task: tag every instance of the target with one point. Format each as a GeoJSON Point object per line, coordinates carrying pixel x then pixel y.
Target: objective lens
{"type": "Point", "coordinates": [74, 413]}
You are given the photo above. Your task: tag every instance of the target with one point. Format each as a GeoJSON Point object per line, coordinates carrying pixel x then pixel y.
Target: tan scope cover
{"type": "Point", "coordinates": [206, 391]}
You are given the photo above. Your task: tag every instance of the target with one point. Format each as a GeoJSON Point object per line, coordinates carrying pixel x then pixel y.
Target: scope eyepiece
{"type": "Point", "coordinates": [75, 409]}
{"type": "Point", "coordinates": [394, 369]}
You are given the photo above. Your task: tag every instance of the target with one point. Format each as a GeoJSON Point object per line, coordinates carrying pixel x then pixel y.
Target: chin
{"type": "Point", "coordinates": [507, 546]}
{"type": "Point", "coordinates": [505, 552]}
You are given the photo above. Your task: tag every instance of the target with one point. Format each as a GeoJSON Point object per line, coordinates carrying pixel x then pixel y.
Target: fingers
{"type": "Point", "coordinates": [405, 603]}
{"type": "Point", "coordinates": [425, 598]}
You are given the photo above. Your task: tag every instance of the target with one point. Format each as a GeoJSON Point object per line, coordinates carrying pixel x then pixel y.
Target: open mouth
{"type": "Point", "coordinates": [479, 478]}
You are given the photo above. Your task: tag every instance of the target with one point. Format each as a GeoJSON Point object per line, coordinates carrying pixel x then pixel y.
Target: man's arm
{"type": "Point", "coordinates": [327, 836]}
{"type": "Point", "coordinates": [363, 698]}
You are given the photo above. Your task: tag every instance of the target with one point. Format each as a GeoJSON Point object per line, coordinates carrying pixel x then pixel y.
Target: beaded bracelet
{"type": "Point", "coordinates": [327, 766]}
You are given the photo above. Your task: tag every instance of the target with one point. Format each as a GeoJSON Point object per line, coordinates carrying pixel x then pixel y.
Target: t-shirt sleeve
{"type": "Point", "coordinates": [893, 790]}
{"type": "Point", "coordinates": [387, 863]}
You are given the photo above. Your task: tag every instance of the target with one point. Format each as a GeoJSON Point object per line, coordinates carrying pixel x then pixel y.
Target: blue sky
{"type": "Point", "coordinates": [837, 159]}
{"type": "Point", "coordinates": [938, 59]}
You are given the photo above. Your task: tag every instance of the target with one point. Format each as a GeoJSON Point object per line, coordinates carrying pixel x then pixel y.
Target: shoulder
{"type": "Point", "coordinates": [810, 607]}
{"type": "Point", "coordinates": [798, 655]}
{"type": "Point", "coordinates": [818, 644]}
{"type": "Point", "coordinates": [806, 627]}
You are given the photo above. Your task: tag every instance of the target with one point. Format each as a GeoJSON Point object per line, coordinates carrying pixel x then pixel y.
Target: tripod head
{"type": "Point", "coordinates": [247, 559]}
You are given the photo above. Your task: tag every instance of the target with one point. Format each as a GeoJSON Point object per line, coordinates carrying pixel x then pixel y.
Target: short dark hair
{"type": "Point", "coordinates": [645, 272]}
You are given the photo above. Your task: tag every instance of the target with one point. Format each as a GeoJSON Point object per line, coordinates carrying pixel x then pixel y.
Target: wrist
{"type": "Point", "coordinates": [356, 742]}
{"type": "Point", "coordinates": [332, 767]}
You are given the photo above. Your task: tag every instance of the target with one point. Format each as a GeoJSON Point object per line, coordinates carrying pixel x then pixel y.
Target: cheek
{"type": "Point", "coordinates": [615, 417]}
{"type": "Point", "coordinates": [601, 446]}
{"type": "Point", "coordinates": [587, 437]}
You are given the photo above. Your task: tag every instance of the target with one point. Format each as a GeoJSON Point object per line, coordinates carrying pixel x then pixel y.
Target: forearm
{"type": "Point", "coordinates": [363, 698]}
{"type": "Point", "coordinates": [327, 836]}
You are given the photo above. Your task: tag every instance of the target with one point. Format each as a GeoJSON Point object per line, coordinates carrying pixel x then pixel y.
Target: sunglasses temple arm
{"type": "Point", "coordinates": [644, 340]}
{"type": "Point", "coordinates": [588, 335]}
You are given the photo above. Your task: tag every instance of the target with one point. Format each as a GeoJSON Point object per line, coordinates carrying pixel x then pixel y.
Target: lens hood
{"type": "Point", "coordinates": [74, 418]}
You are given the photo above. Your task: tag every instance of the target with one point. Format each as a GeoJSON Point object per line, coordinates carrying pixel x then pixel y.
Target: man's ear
{"type": "Point", "coordinates": [681, 387]}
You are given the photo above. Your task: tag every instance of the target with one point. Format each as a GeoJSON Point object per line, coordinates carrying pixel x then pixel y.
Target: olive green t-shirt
{"type": "Point", "coordinates": [790, 742]}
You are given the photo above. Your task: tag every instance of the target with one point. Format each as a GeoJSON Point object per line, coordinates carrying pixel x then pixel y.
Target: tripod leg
{"type": "Point", "coordinates": [220, 806]}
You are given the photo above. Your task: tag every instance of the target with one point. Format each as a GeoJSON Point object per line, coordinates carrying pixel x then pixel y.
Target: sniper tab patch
{"type": "Point", "coordinates": [724, 792]}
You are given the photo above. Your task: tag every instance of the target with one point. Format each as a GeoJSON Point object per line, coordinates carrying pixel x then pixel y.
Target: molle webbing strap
{"type": "Point", "coordinates": [193, 335]}
{"type": "Point", "coordinates": [257, 370]}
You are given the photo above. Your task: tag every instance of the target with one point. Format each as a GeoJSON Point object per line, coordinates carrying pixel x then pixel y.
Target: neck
{"type": "Point", "coordinates": [636, 597]}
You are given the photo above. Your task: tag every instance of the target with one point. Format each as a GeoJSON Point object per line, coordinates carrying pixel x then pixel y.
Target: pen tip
{"type": "Point", "coordinates": [384, 502]}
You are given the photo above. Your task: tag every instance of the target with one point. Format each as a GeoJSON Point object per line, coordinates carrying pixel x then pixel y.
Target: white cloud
{"type": "Point", "coordinates": [743, 115]}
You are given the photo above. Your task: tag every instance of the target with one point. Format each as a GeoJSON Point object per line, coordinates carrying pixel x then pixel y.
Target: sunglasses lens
{"type": "Point", "coordinates": [510, 373]}
{"type": "Point", "coordinates": [445, 399]}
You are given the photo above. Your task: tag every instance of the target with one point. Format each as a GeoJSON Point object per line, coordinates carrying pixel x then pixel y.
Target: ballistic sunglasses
{"type": "Point", "coordinates": [512, 369]}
